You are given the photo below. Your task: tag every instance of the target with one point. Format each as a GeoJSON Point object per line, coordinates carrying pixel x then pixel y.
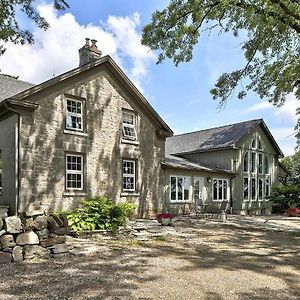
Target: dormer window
{"type": "Point", "coordinates": [129, 125]}
{"type": "Point", "coordinates": [74, 115]}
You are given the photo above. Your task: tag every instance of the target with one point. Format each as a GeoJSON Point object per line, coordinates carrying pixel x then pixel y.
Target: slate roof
{"type": "Point", "coordinates": [10, 86]}
{"type": "Point", "coordinates": [214, 138]}
{"type": "Point", "coordinates": [182, 163]}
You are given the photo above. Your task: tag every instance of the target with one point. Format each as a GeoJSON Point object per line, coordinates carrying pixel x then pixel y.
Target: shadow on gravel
{"type": "Point", "coordinates": [79, 277]}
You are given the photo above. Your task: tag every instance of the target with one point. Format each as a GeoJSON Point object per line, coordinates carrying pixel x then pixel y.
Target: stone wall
{"type": "Point", "coordinates": [44, 144]}
{"type": "Point", "coordinates": [33, 235]}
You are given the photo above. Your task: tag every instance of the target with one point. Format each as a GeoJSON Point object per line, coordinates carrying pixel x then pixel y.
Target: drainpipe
{"type": "Point", "coordinates": [18, 157]}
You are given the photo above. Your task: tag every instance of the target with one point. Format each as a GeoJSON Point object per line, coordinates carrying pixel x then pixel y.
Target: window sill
{"type": "Point", "coordinates": [74, 132]}
{"type": "Point", "coordinates": [181, 202]}
{"type": "Point", "coordinates": [131, 142]}
{"type": "Point", "coordinates": [74, 194]}
{"type": "Point", "coordinates": [133, 194]}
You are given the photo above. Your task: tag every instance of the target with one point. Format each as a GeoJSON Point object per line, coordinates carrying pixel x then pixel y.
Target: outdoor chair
{"type": "Point", "coordinates": [222, 209]}
{"type": "Point", "coordinates": [203, 211]}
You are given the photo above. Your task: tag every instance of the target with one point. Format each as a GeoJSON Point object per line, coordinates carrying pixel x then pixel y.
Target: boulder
{"type": "Point", "coordinates": [52, 224]}
{"type": "Point", "coordinates": [2, 232]}
{"type": "Point", "coordinates": [1, 223]}
{"type": "Point", "coordinates": [35, 212]}
{"type": "Point", "coordinates": [53, 241]}
{"type": "Point", "coordinates": [43, 234]}
{"type": "Point", "coordinates": [13, 224]}
{"type": "Point", "coordinates": [7, 241]}
{"type": "Point", "coordinates": [35, 251]}
{"type": "Point", "coordinates": [5, 257]}
{"type": "Point", "coordinates": [28, 224]}
{"type": "Point", "coordinates": [27, 238]}
{"type": "Point", "coordinates": [40, 222]}
{"type": "Point", "coordinates": [62, 230]}
{"type": "Point", "coordinates": [17, 253]}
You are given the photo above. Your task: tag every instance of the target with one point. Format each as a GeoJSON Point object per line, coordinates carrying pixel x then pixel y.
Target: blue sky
{"type": "Point", "coordinates": [179, 94]}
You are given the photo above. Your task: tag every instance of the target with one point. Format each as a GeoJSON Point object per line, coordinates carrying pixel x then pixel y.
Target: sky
{"type": "Point", "coordinates": [179, 94]}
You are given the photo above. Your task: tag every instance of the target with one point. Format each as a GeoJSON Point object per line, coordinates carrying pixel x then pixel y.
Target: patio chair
{"type": "Point", "coordinates": [203, 210]}
{"type": "Point", "coordinates": [222, 209]}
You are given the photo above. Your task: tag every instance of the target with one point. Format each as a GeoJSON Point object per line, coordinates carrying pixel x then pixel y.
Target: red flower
{"type": "Point", "coordinates": [164, 216]}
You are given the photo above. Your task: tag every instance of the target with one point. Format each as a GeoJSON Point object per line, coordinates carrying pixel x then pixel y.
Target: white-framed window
{"type": "Point", "coordinates": [180, 188]}
{"type": "Point", "coordinates": [267, 187]}
{"type": "Point", "coordinates": [1, 166]}
{"type": "Point", "coordinates": [260, 163]}
{"type": "Point", "coordinates": [266, 165]}
{"type": "Point", "coordinates": [246, 188]}
{"type": "Point", "coordinates": [246, 162]}
{"type": "Point", "coordinates": [129, 125]}
{"type": "Point", "coordinates": [129, 175]}
{"type": "Point", "coordinates": [260, 147]}
{"type": "Point", "coordinates": [253, 188]}
{"type": "Point", "coordinates": [260, 189]}
{"type": "Point", "coordinates": [74, 172]}
{"type": "Point", "coordinates": [253, 162]}
{"type": "Point", "coordinates": [254, 144]}
{"type": "Point", "coordinates": [220, 189]}
{"type": "Point", "coordinates": [74, 114]}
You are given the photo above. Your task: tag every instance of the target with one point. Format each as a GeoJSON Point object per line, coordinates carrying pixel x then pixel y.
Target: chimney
{"type": "Point", "coordinates": [89, 53]}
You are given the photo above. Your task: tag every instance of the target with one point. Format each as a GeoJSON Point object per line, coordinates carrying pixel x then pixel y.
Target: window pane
{"type": "Point", "coordinates": [253, 162]}
{"type": "Point", "coordinates": [246, 188]}
{"type": "Point", "coordinates": [246, 162]}
{"type": "Point", "coordinates": [266, 165]}
{"type": "Point", "coordinates": [179, 188]}
{"type": "Point", "coordinates": [173, 188]}
{"type": "Point", "coordinates": [253, 188]}
{"type": "Point", "coordinates": [215, 190]}
{"type": "Point", "coordinates": [267, 187]}
{"type": "Point", "coordinates": [224, 190]}
{"type": "Point", "coordinates": [128, 118]}
{"type": "Point", "coordinates": [260, 189]}
{"type": "Point", "coordinates": [186, 186]}
{"type": "Point", "coordinates": [260, 163]}
{"type": "Point", "coordinates": [253, 144]}
{"type": "Point", "coordinates": [220, 189]}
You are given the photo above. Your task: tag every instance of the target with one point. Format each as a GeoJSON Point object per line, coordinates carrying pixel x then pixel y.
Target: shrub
{"type": "Point", "coordinates": [285, 196]}
{"type": "Point", "coordinates": [100, 213]}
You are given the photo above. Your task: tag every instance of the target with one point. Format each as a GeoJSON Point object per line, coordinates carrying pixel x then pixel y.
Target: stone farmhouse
{"type": "Point", "coordinates": [90, 132]}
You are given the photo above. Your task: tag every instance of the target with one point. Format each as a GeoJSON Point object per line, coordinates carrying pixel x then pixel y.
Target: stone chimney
{"type": "Point", "coordinates": [89, 52]}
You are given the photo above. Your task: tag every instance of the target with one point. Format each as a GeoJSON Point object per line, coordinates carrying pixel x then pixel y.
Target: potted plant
{"type": "Point", "coordinates": [165, 218]}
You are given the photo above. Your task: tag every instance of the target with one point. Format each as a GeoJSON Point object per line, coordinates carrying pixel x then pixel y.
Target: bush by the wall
{"type": "Point", "coordinates": [100, 213]}
{"type": "Point", "coordinates": [284, 197]}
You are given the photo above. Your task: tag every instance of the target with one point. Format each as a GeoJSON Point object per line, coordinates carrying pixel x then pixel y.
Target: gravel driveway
{"type": "Point", "coordinates": [194, 259]}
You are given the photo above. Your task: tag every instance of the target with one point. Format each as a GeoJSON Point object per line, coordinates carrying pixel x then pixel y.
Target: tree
{"type": "Point", "coordinates": [292, 163]}
{"type": "Point", "coordinates": [271, 48]}
{"type": "Point", "coordinates": [10, 29]}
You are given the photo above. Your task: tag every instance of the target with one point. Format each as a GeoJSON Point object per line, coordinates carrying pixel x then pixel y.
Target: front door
{"type": "Point", "coordinates": [198, 190]}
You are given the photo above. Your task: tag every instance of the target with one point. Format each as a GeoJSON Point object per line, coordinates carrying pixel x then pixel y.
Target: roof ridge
{"type": "Point", "coordinates": [223, 126]}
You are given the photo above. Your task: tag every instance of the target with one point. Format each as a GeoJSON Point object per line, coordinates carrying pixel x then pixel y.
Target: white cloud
{"type": "Point", "coordinates": [56, 50]}
{"type": "Point", "coordinates": [260, 106]}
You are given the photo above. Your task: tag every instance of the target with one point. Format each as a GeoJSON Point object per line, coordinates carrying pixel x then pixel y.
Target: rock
{"type": "Point", "coordinates": [36, 212]}
{"type": "Point", "coordinates": [59, 248]}
{"type": "Point", "coordinates": [35, 251]}
{"type": "Point", "coordinates": [1, 223]}
{"type": "Point", "coordinates": [27, 238]}
{"type": "Point", "coordinates": [13, 224]}
{"type": "Point", "coordinates": [2, 232]}
{"type": "Point", "coordinates": [17, 253]}
{"type": "Point", "coordinates": [40, 222]}
{"type": "Point", "coordinates": [52, 224]}
{"type": "Point", "coordinates": [5, 257]}
{"type": "Point", "coordinates": [7, 240]}
{"type": "Point", "coordinates": [3, 211]}
{"type": "Point", "coordinates": [43, 234]}
{"type": "Point", "coordinates": [28, 224]}
{"type": "Point", "coordinates": [62, 231]}
{"type": "Point", "coordinates": [53, 241]}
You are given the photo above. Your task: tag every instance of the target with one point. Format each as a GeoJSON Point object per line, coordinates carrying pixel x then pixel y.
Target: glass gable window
{"type": "Point", "coordinates": [253, 162]}
{"type": "Point", "coordinates": [246, 162]}
{"type": "Point", "coordinates": [260, 163]}
{"type": "Point", "coordinates": [74, 115]}
{"type": "Point", "coordinates": [246, 188]}
{"type": "Point", "coordinates": [1, 166]}
{"type": "Point", "coordinates": [74, 172]}
{"type": "Point", "coordinates": [129, 125]}
{"type": "Point", "coordinates": [180, 188]}
{"type": "Point", "coordinates": [260, 189]}
{"type": "Point", "coordinates": [220, 189]}
{"type": "Point", "coordinates": [267, 187]}
{"type": "Point", "coordinates": [253, 188]}
{"type": "Point", "coordinates": [129, 175]}
{"type": "Point", "coordinates": [266, 165]}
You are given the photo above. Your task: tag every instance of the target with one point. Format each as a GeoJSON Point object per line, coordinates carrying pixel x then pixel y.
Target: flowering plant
{"type": "Point", "coordinates": [164, 216]}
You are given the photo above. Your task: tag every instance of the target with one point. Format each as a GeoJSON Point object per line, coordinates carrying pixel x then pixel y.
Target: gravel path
{"type": "Point", "coordinates": [195, 259]}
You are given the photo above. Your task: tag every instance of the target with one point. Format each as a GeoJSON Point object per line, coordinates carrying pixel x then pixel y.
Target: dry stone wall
{"type": "Point", "coordinates": [32, 235]}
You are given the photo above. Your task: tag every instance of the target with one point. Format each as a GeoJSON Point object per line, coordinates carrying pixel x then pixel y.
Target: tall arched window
{"type": "Point", "coordinates": [246, 162]}
{"type": "Point", "coordinates": [266, 165]}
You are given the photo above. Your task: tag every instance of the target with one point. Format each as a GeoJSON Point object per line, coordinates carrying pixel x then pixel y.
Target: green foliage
{"type": "Point", "coordinates": [284, 197]}
{"type": "Point", "coordinates": [100, 213]}
{"type": "Point", "coordinates": [10, 29]}
{"type": "Point", "coordinates": [271, 46]}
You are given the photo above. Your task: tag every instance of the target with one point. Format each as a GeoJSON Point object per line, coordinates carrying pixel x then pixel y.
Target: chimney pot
{"type": "Point", "coordinates": [89, 53]}
{"type": "Point", "coordinates": [87, 42]}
